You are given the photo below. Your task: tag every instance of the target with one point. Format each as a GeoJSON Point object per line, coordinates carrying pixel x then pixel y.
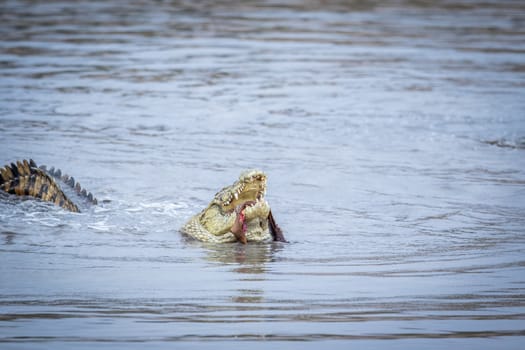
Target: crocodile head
{"type": "Point", "coordinates": [237, 213]}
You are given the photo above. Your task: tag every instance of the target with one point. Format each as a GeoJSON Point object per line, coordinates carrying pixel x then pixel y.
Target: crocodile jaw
{"type": "Point", "coordinates": [237, 213]}
{"type": "Point", "coordinates": [251, 186]}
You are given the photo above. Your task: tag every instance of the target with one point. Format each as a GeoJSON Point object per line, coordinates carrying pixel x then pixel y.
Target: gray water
{"type": "Point", "coordinates": [393, 137]}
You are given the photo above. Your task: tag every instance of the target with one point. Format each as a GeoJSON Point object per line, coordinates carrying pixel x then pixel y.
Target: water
{"type": "Point", "coordinates": [392, 135]}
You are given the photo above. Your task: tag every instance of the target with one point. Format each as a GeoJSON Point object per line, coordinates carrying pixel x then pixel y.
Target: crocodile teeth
{"type": "Point", "coordinates": [236, 195]}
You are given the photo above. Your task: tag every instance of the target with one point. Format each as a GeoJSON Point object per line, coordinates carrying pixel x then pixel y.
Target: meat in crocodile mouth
{"type": "Point", "coordinates": [239, 227]}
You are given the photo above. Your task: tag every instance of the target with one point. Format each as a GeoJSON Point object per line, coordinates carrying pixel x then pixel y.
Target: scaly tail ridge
{"type": "Point", "coordinates": [25, 178]}
{"type": "Point", "coordinates": [70, 181]}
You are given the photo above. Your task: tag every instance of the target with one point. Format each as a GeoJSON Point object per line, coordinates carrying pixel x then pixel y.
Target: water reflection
{"type": "Point", "coordinates": [250, 262]}
{"type": "Point", "coordinates": [9, 237]}
{"type": "Point", "coordinates": [245, 258]}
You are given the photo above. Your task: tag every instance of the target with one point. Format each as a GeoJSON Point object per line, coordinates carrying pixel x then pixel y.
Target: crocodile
{"type": "Point", "coordinates": [25, 178]}
{"type": "Point", "coordinates": [237, 213]}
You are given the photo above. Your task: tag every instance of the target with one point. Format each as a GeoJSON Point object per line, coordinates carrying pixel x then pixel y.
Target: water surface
{"type": "Point", "coordinates": [393, 137]}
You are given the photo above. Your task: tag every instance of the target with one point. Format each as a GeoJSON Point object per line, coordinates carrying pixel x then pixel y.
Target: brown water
{"type": "Point", "coordinates": [393, 137]}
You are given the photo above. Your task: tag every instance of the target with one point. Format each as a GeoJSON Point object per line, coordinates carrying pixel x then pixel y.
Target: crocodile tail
{"type": "Point", "coordinates": [70, 182]}
{"type": "Point", "coordinates": [26, 179]}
